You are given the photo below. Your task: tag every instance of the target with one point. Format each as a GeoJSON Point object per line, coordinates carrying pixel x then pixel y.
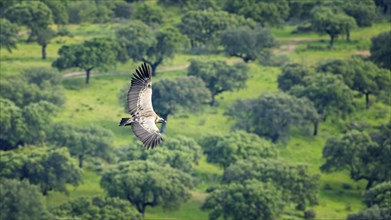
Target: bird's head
{"type": "Point", "coordinates": [160, 120]}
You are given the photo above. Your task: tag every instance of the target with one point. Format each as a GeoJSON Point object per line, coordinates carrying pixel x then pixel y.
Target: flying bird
{"type": "Point", "coordinates": [143, 118]}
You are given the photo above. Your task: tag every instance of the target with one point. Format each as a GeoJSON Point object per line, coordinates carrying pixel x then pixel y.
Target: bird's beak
{"type": "Point", "coordinates": [164, 121]}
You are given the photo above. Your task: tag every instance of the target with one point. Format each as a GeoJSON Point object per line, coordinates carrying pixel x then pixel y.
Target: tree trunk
{"type": "Point", "coordinates": [331, 44]}
{"type": "Point", "coordinates": [154, 67]}
{"type": "Point", "coordinates": [367, 100]}
{"type": "Point", "coordinates": [141, 209]}
{"type": "Point", "coordinates": [81, 159]}
{"type": "Point", "coordinates": [45, 192]}
{"type": "Point", "coordinates": [43, 49]}
{"type": "Point", "coordinates": [164, 125]}
{"type": "Point", "coordinates": [88, 71]}
{"type": "Point", "coordinates": [275, 138]}
{"type": "Point", "coordinates": [322, 116]}
{"type": "Point", "coordinates": [316, 124]}
{"type": "Point", "coordinates": [348, 35]}
{"type": "Point", "coordinates": [369, 184]}
{"type": "Point", "coordinates": [246, 59]}
{"type": "Point", "coordinates": [30, 37]}
{"type": "Point", "coordinates": [213, 101]}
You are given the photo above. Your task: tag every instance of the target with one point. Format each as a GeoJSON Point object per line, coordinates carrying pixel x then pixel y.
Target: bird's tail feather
{"type": "Point", "coordinates": [124, 121]}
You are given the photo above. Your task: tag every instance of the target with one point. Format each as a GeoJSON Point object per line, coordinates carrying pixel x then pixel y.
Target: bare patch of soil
{"type": "Point", "coordinates": [365, 53]}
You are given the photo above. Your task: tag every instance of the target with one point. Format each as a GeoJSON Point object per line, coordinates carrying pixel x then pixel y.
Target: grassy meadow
{"type": "Point", "coordinates": [97, 103]}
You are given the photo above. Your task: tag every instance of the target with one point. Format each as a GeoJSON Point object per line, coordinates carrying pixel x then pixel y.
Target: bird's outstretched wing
{"type": "Point", "coordinates": [140, 92]}
{"type": "Point", "coordinates": [147, 132]}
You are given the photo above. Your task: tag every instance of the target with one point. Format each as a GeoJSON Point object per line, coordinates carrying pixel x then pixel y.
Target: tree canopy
{"type": "Point", "coordinates": [33, 85]}
{"type": "Point", "coordinates": [144, 44]}
{"type": "Point", "coordinates": [332, 22]}
{"type": "Point", "coordinates": [12, 125]}
{"type": "Point", "coordinates": [59, 11]}
{"type": "Point", "coordinates": [91, 11]}
{"type": "Point", "coordinates": [33, 14]}
{"type": "Point", "coordinates": [246, 43]}
{"type": "Point", "coordinates": [137, 38]}
{"type": "Point", "coordinates": [381, 49]}
{"type": "Point", "coordinates": [15, 123]}
{"type": "Point", "coordinates": [97, 208]}
{"type": "Point", "coordinates": [173, 95]}
{"type": "Point", "coordinates": [379, 195]}
{"type": "Point", "coordinates": [82, 142]}
{"type": "Point", "coordinates": [8, 34]}
{"type": "Point", "coordinates": [357, 153]}
{"type": "Point", "coordinates": [178, 152]}
{"type": "Point", "coordinates": [204, 28]}
{"type": "Point", "coordinates": [373, 213]}
{"type": "Point", "coordinates": [249, 199]}
{"type": "Point", "coordinates": [225, 150]}
{"type": "Point", "coordinates": [21, 200]}
{"type": "Point", "coordinates": [187, 5]}
{"type": "Point", "coordinates": [147, 184]}
{"type": "Point", "coordinates": [291, 75]}
{"type": "Point", "coordinates": [272, 114]}
{"type": "Point", "coordinates": [147, 13]}
{"type": "Point", "coordinates": [267, 13]}
{"type": "Point", "coordinates": [43, 38]}
{"type": "Point", "coordinates": [37, 16]}
{"type": "Point", "coordinates": [219, 76]}
{"type": "Point", "coordinates": [295, 182]}
{"type": "Point", "coordinates": [95, 53]}
{"type": "Point", "coordinates": [38, 116]}
{"type": "Point", "coordinates": [362, 76]}
{"type": "Point", "coordinates": [50, 169]}
{"type": "Point", "coordinates": [28, 100]}
{"type": "Point", "coordinates": [301, 10]}
{"type": "Point", "coordinates": [363, 11]}
{"type": "Point", "coordinates": [329, 94]}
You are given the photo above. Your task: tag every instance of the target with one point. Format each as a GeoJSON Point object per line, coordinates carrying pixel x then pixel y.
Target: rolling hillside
{"type": "Point", "coordinates": [97, 104]}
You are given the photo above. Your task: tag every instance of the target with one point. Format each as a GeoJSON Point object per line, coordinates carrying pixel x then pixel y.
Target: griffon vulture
{"type": "Point", "coordinates": [143, 118]}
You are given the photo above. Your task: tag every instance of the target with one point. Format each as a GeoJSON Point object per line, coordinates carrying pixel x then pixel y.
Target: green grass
{"type": "Point", "coordinates": [310, 48]}
{"type": "Point", "coordinates": [189, 210]}
{"type": "Point", "coordinates": [89, 187]}
{"type": "Point", "coordinates": [98, 104]}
